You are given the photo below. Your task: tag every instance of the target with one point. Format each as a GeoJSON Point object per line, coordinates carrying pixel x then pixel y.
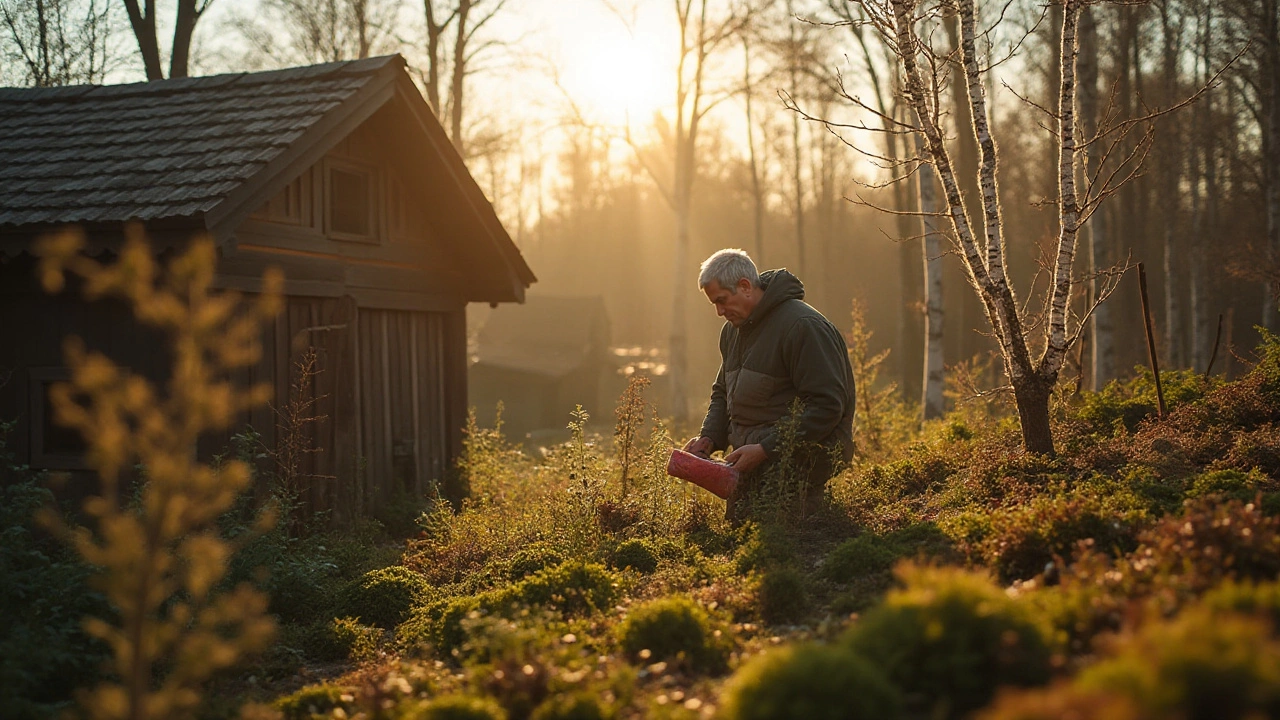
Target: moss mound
{"type": "Point", "coordinates": [637, 554]}
{"type": "Point", "coordinates": [459, 707]}
{"type": "Point", "coordinates": [1202, 665]}
{"type": "Point", "coordinates": [316, 701]}
{"type": "Point", "coordinates": [384, 597]}
{"type": "Point", "coordinates": [675, 629]}
{"type": "Point", "coordinates": [949, 639]}
{"type": "Point", "coordinates": [578, 706]}
{"type": "Point", "coordinates": [816, 682]}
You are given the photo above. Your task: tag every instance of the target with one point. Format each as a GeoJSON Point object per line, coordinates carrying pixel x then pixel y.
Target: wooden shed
{"type": "Point", "coordinates": [339, 174]}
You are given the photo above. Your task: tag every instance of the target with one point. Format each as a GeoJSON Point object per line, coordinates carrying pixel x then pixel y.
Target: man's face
{"type": "Point", "coordinates": [733, 304]}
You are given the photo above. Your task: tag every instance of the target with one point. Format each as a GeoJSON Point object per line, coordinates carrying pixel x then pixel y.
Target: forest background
{"type": "Point", "coordinates": [609, 134]}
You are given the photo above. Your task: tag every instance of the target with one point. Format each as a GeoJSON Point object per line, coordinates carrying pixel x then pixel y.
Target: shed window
{"type": "Point", "coordinates": [52, 445]}
{"type": "Point", "coordinates": [352, 203]}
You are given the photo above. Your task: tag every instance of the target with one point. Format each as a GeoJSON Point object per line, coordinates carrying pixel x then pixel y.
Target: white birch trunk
{"type": "Point", "coordinates": [933, 365]}
{"type": "Point", "coordinates": [1068, 205]}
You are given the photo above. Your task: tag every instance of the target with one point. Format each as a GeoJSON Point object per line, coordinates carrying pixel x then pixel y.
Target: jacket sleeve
{"type": "Point", "coordinates": [716, 424]}
{"type": "Point", "coordinates": [817, 361]}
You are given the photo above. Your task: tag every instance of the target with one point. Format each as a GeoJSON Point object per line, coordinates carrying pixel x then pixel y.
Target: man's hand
{"type": "Point", "coordinates": [746, 458]}
{"type": "Point", "coordinates": [700, 446]}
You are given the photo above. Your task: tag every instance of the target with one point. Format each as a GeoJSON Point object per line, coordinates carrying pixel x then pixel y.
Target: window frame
{"type": "Point", "coordinates": [38, 381]}
{"type": "Point", "coordinates": [374, 200]}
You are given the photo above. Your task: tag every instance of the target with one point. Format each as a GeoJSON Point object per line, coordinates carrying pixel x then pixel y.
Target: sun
{"type": "Point", "coordinates": [616, 77]}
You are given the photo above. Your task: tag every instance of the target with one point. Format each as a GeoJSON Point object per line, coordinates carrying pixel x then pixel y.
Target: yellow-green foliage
{"type": "Point", "coordinates": [949, 638]}
{"type": "Point", "coordinates": [161, 562]}
{"type": "Point", "coordinates": [782, 595]}
{"type": "Point", "coordinates": [1201, 666]}
{"type": "Point", "coordinates": [675, 629]}
{"type": "Point", "coordinates": [316, 701]}
{"type": "Point", "coordinates": [384, 597]}
{"type": "Point", "coordinates": [572, 588]}
{"type": "Point", "coordinates": [811, 681]}
{"type": "Point", "coordinates": [1247, 598]}
{"type": "Point", "coordinates": [354, 641]}
{"type": "Point", "coordinates": [576, 706]}
{"type": "Point", "coordinates": [1061, 702]}
{"type": "Point", "coordinates": [637, 554]}
{"type": "Point", "coordinates": [460, 707]}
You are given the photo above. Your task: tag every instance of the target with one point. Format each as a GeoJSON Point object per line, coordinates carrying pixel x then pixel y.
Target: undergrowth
{"type": "Point", "coordinates": [947, 574]}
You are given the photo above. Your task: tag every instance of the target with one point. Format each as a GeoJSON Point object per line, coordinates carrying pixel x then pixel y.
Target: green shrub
{"type": "Point", "coordinates": [782, 595]}
{"type": "Point", "coordinates": [573, 588]}
{"type": "Point", "coordinates": [1024, 538]}
{"type": "Point", "coordinates": [675, 629]}
{"type": "Point", "coordinates": [637, 554]}
{"type": "Point", "coordinates": [576, 706]}
{"type": "Point", "coordinates": [316, 701]}
{"type": "Point", "coordinates": [950, 638]}
{"type": "Point", "coordinates": [349, 640]}
{"type": "Point", "coordinates": [1227, 484]}
{"type": "Point", "coordinates": [763, 546]}
{"type": "Point", "coordinates": [811, 681]}
{"type": "Point", "coordinates": [45, 655]}
{"type": "Point", "coordinates": [857, 557]}
{"type": "Point", "coordinates": [1200, 666]}
{"type": "Point", "coordinates": [1247, 598]}
{"type": "Point", "coordinates": [460, 707]}
{"type": "Point", "coordinates": [385, 597]}
{"type": "Point", "coordinates": [1061, 702]}
{"type": "Point", "coordinates": [1127, 403]}
{"type": "Point", "coordinates": [530, 560]}
{"type": "Point", "coordinates": [299, 587]}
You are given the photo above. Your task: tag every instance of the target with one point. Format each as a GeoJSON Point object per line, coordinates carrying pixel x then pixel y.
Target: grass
{"type": "Point", "coordinates": [949, 574]}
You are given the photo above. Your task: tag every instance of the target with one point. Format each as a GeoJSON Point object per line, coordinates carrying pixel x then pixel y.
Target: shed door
{"type": "Point", "coordinates": [404, 429]}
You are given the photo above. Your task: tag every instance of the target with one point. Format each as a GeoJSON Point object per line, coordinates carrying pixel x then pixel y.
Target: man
{"type": "Point", "coordinates": [774, 349]}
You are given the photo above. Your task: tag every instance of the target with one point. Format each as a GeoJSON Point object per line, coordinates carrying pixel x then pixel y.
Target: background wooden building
{"type": "Point", "coordinates": [339, 174]}
{"type": "Point", "coordinates": [542, 358]}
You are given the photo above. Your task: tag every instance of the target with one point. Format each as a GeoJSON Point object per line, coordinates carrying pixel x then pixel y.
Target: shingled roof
{"type": "Point", "coordinates": [204, 152]}
{"type": "Point", "coordinates": [147, 151]}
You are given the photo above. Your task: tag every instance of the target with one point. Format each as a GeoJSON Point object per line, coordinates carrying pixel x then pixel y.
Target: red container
{"type": "Point", "coordinates": [717, 477]}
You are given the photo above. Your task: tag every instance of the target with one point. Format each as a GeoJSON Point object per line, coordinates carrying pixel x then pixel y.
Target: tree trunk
{"type": "Point", "coordinates": [968, 342]}
{"type": "Point", "coordinates": [798, 207]}
{"type": "Point", "coordinates": [1032, 398]}
{"type": "Point", "coordinates": [678, 363]}
{"type": "Point", "coordinates": [1102, 358]}
{"type": "Point", "coordinates": [757, 195]}
{"type": "Point", "coordinates": [144, 31]}
{"type": "Point", "coordinates": [1204, 326]}
{"type": "Point", "coordinates": [1271, 304]}
{"type": "Point", "coordinates": [435, 30]}
{"type": "Point", "coordinates": [459, 78]}
{"type": "Point", "coordinates": [184, 27]}
{"type": "Point", "coordinates": [933, 255]}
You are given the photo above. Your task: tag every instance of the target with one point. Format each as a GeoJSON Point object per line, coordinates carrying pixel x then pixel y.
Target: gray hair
{"type": "Point", "coordinates": [727, 267]}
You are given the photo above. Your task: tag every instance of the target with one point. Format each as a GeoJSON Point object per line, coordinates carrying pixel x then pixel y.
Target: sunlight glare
{"type": "Point", "coordinates": [616, 78]}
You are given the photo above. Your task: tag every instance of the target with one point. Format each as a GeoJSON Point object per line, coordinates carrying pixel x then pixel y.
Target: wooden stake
{"type": "Point", "coordinates": [1151, 340]}
{"type": "Point", "coordinates": [1214, 355]}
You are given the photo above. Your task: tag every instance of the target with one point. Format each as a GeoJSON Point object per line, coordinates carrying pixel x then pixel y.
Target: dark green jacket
{"type": "Point", "coordinates": [784, 350]}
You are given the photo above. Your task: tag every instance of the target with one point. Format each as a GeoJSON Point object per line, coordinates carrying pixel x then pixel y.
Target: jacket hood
{"type": "Point", "coordinates": [779, 287]}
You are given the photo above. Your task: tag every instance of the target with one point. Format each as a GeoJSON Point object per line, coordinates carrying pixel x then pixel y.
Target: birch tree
{"type": "Point", "coordinates": [933, 253]}
{"type": "Point", "coordinates": [1032, 367]}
